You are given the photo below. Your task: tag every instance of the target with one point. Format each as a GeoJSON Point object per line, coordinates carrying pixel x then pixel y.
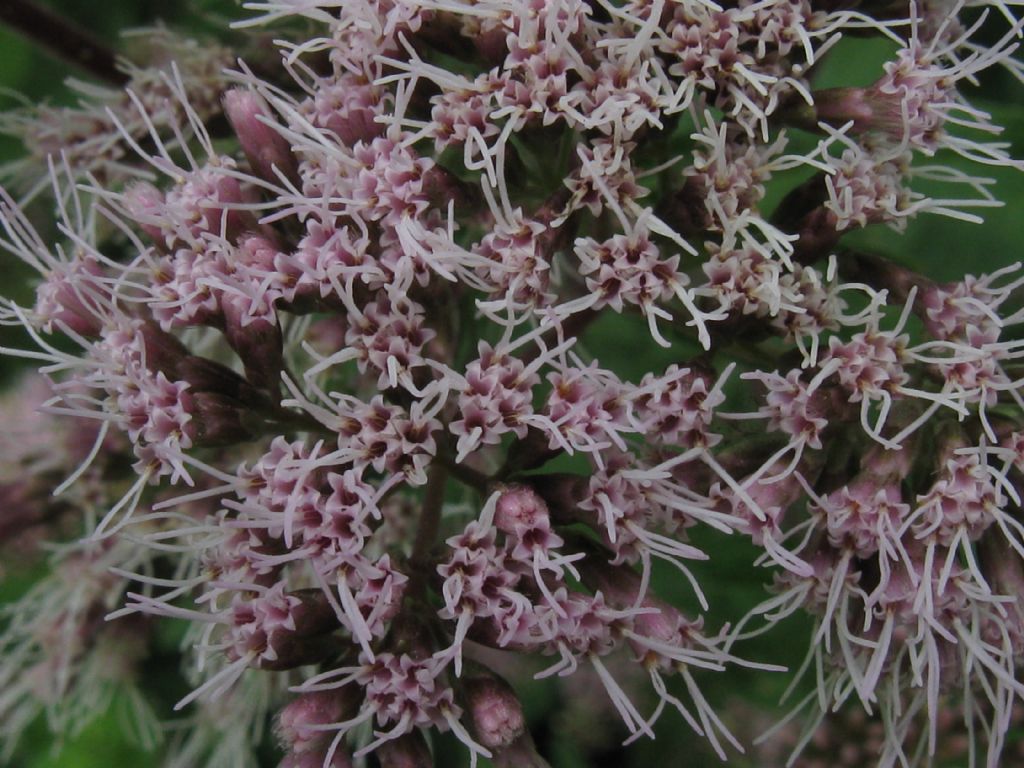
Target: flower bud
{"type": "Point", "coordinates": [258, 343]}
{"type": "Point", "coordinates": [489, 42]}
{"type": "Point", "coordinates": [265, 148]}
{"type": "Point", "coordinates": [218, 420]}
{"type": "Point", "coordinates": [292, 650]}
{"type": "Point", "coordinates": [905, 104]}
{"type": "Point", "coordinates": [841, 105]}
{"type": "Point", "coordinates": [519, 754]}
{"type": "Point", "coordinates": [145, 205]}
{"type": "Point", "coordinates": [74, 296]}
{"type": "Point", "coordinates": [496, 712]}
{"type": "Point", "coordinates": [621, 587]}
{"type": "Point", "coordinates": [314, 614]}
{"type": "Point", "coordinates": [296, 721]}
{"type": "Point", "coordinates": [408, 751]}
{"type": "Point", "coordinates": [204, 375]}
{"type": "Point", "coordinates": [219, 213]}
{"type": "Point", "coordinates": [164, 352]}
{"type": "Point", "coordinates": [519, 508]}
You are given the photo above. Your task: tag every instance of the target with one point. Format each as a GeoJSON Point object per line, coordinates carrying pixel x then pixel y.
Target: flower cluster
{"type": "Point", "coordinates": [346, 415]}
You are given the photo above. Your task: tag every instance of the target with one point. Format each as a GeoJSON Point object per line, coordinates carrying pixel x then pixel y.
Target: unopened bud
{"type": "Point", "coordinates": [408, 751]}
{"type": "Point", "coordinates": [221, 214]}
{"type": "Point", "coordinates": [205, 375]}
{"type": "Point", "coordinates": [145, 204]}
{"type": "Point", "coordinates": [314, 613]}
{"type": "Point", "coordinates": [258, 343]}
{"type": "Point", "coordinates": [293, 650]}
{"type": "Point", "coordinates": [295, 727]}
{"type": "Point", "coordinates": [497, 714]}
{"type": "Point", "coordinates": [519, 754]}
{"type": "Point", "coordinates": [265, 148]}
{"type": "Point", "coordinates": [621, 586]}
{"type": "Point", "coordinates": [491, 44]}
{"type": "Point", "coordinates": [883, 466]}
{"type": "Point", "coordinates": [839, 106]}
{"type": "Point", "coordinates": [218, 420]}
{"type": "Point", "coordinates": [519, 507]}
{"type": "Point", "coordinates": [164, 352]}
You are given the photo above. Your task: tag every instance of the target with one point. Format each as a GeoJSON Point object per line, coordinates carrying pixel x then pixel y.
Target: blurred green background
{"type": "Point", "coordinates": [942, 248]}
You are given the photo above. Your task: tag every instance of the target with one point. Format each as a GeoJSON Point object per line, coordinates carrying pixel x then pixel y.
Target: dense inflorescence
{"type": "Point", "coordinates": [323, 339]}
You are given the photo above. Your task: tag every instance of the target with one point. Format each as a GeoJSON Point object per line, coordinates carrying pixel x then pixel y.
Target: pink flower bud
{"type": "Point", "coordinates": [520, 508]}
{"type": "Point", "coordinates": [145, 204]}
{"type": "Point", "coordinates": [909, 103]}
{"type": "Point", "coordinates": [408, 751]}
{"type": "Point", "coordinates": [840, 105]}
{"type": "Point", "coordinates": [349, 107]}
{"type": "Point", "coordinates": [265, 148]}
{"type": "Point", "coordinates": [295, 722]}
{"type": "Point", "coordinates": [75, 297]}
{"type": "Point", "coordinates": [887, 466]}
{"type": "Point", "coordinates": [496, 711]}
{"type": "Point", "coordinates": [258, 342]}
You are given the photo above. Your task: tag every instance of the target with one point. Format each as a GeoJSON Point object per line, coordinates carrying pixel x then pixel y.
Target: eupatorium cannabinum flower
{"type": "Point", "coordinates": [322, 333]}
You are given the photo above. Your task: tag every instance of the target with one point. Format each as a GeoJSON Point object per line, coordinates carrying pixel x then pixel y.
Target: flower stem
{"type": "Point", "coordinates": [430, 516]}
